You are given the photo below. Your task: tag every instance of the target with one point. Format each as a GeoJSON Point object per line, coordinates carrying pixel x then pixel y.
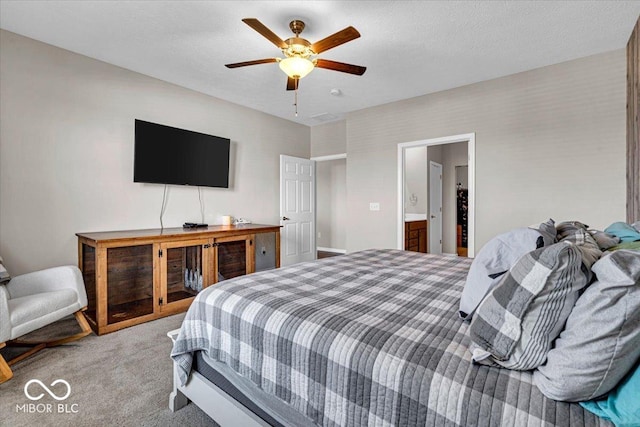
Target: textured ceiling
{"type": "Point", "coordinates": [410, 48]}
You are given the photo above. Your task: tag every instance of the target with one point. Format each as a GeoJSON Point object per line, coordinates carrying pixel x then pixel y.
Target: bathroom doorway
{"type": "Point", "coordinates": [413, 194]}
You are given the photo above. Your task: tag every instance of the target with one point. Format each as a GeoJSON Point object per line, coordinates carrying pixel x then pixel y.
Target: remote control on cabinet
{"type": "Point", "coordinates": [193, 225]}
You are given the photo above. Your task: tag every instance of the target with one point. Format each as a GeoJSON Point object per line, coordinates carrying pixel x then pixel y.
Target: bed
{"type": "Point", "coordinates": [368, 338]}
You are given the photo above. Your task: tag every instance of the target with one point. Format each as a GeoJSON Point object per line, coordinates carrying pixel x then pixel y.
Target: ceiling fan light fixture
{"type": "Point", "coordinates": [300, 56]}
{"type": "Point", "coordinates": [296, 67]}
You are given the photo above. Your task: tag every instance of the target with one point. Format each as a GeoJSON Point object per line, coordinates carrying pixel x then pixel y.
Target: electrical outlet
{"type": "Point", "coordinates": [319, 235]}
{"type": "Point", "coordinates": [374, 206]}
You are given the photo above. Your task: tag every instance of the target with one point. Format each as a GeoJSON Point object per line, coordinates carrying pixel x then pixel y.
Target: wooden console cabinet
{"type": "Point", "coordinates": [415, 236]}
{"type": "Point", "coordinates": [135, 276]}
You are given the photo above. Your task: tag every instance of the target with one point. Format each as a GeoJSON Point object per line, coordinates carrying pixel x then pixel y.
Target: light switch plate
{"type": "Point", "coordinates": [374, 206]}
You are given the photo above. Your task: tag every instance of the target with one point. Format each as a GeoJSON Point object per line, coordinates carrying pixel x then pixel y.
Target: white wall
{"type": "Point", "coordinates": [415, 179]}
{"type": "Point", "coordinates": [331, 198]}
{"type": "Point", "coordinates": [462, 177]}
{"type": "Point", "coordinates": [66, 153]}
{"type": "Point", "coordinates": [550, 142]}
{"type": "Point", "coordinates": [329, 138]}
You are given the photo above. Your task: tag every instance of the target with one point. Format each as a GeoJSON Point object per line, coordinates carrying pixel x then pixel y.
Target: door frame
{"type": "Point", "coordinates": [470, 139]}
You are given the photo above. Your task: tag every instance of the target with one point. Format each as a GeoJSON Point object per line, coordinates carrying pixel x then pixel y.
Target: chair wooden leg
{"type": "Point", "coordinates": [5, 371]}
{"type": "Point", "coordinates": [82, 321]}
{"type": "Point", "coordinates": [35, 347]}
{"type": "Point", "coordinates": [86, 330]}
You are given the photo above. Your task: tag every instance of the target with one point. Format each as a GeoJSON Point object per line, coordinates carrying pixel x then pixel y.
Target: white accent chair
{"type": "Point", "coordinates": [33, 300]}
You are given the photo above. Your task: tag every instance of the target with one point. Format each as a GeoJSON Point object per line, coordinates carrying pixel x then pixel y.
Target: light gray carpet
{"type": "Point", "coordinates": [119, 379]}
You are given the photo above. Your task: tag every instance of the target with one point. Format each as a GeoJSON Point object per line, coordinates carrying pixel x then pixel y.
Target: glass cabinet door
{"type": "Point", "coordinates": [185, 270]}
{"type": "Point", "coordinates": [129, 282]}
{"type": "Point", "coordinates": [232, 256]}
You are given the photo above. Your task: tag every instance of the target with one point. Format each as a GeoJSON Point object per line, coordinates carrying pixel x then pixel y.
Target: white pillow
{"type": "Point", "coordinates": [4, 274]}
{"type": "Point", "coordinates": [497, 257]}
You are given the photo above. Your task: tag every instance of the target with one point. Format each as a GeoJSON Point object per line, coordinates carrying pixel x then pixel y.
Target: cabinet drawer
{"type": "Point", "coordinates": [414, 234]}
{"type": "Point", "coordinates": [417, 225]}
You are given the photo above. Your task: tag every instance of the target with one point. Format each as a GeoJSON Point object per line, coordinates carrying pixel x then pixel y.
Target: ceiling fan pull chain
{"type": "Point", "coordinates": [296, 97]}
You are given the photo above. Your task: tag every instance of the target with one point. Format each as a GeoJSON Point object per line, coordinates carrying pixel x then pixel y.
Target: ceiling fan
{"type": "Point", "coordinates": [301, 55]}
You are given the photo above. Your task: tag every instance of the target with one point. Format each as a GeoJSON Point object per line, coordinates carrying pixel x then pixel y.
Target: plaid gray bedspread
{"type": "Point", "coordinates": [369, 338]}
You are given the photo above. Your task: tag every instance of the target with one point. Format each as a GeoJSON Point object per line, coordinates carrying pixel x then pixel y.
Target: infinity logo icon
{"type": "Point", "coordinates": [45, 388]}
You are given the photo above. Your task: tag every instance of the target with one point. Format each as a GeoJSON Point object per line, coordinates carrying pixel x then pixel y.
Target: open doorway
{"type": "Point", "coordinates": [331, 202]}
{"type": "Point", "coordinates": [441, 219]}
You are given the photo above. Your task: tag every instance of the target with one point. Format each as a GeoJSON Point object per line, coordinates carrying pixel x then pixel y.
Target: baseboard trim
{"type": "Point", "coordinates": [335, 251]}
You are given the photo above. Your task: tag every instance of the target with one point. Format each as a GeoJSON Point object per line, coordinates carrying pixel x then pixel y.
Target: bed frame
{"type": "Point", "coordinates": [215, 402]}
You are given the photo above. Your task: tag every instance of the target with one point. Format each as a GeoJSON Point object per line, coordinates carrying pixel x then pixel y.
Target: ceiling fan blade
{"type": "Point", "coordinates": [340, 66]}
{"type": "Point", "coordinates": [256, 62]}
{"type": "Point", "coordinates": [336, 39]}
{"type": "Point", "coordinates": [292, 84]}
{"type": "Point", "coordinates": [267, 33]}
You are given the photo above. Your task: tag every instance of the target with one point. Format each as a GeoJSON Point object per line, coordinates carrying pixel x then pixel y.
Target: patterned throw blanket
{"type": "Point", "coordinates": [369, 338]}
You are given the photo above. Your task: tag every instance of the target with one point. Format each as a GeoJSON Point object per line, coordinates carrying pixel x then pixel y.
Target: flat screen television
{"type": "Point", "coordinates": [168, 155]}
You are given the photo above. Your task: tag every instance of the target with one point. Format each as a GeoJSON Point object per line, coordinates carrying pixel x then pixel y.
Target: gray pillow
{"type": "Point", "coordinates": [576, 232]}
{"type": "Point", "coordinates": [496, 258]}
{"type": "Point", "coordinates": [516, 323]}
{"type": "Point", "coordinates": [566, 228]}
{"type": "Point", "coordinates": [4, 274]}
{"type": "Point", "coordinates": [547, 231]}
{"type": "Point", "coordinates": [601, 339]}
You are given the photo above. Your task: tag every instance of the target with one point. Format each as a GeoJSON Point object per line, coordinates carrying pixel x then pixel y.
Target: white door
{"type": "Point", "coordinates": [297, 210]}
{"type": "Point", "coordinates": [435, 208]}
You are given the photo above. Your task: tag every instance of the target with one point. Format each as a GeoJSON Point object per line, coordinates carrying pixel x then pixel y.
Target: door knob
{"type": "Point", "coordinates": [433, 216]}
{"type": "Point", "coordinates": [284, 218]}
